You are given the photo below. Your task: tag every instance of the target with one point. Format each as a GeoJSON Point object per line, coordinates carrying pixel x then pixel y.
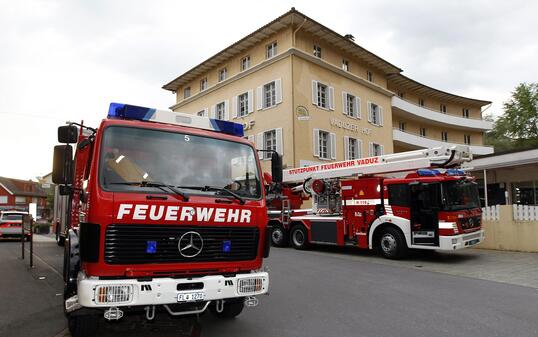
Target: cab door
{"type": "Point", "coordinates": [425, 202]}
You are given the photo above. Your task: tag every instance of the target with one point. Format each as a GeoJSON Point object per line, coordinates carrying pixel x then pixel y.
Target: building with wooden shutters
{"type": "Point", "coordinates": [314, 95]}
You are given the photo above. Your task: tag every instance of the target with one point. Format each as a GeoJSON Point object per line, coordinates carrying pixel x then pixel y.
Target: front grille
{"type": "Point", "coordinates": [470, 223]}
{"type": "Point", "coordinates": [128, 244]}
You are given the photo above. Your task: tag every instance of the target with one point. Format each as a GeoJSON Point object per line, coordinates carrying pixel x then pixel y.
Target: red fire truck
{"type": "Point", "coordinates": [166, 213]}
{"type": "Point", "coordinates": [415, 199]}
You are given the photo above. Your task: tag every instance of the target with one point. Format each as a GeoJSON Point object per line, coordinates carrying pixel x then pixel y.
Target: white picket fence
{"type": "Point", "coordinates": [491, 213]}
{"type": "Point", "coordinates": [525, 212]}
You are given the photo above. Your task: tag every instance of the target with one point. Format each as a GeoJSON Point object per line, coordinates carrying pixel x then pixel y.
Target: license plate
{"type": "Point", "coordinates": [191, 297]}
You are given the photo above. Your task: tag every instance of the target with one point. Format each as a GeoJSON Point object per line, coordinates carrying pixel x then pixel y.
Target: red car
{"type": "Point", "coordinates": [11, 223]}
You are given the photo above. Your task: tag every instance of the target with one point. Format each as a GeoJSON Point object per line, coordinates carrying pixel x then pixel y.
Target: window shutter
{"type": "Point", "coordinates": [315, 92]}
{"type": "Point", "coordinates": [331, 98]}
{"type": "Point", "coordinates": [344, 102]}
{"type": "Point", "coordinates": [369, 106]}
{"type": "Point", "coordinates": [380, 109]}
{"type": "Point", "coordinates": [358, 107]}
{"type": "Point", "coordinates": [279, 143]}
{"type": "Point", "coordinates": [250, 101]}
{"type": "Point", "coordinates": [252, 139]}
{"type": "Point", "coordinates": [346, 148]}
{"type": "Point", "coordinates": [206, 112]}
{"type": "Point", "coordinates": [234, 107]}
{"type": "Point", "coordinates": [359, 148]}
{"type": "Point", "coordinates": [278, 88]}
{"type": "Point", "coordinates": [315, 138]}
{"type": "Point", "coordinates": [213, 108]}
{"type": "Point", "coordinates": [370, 149]}
{"type": "Point", "coordinates": [259, 144]}
{"type": "Point", "coordinates": [333, 145]}
{"type": "Point", "coordinates": [259, 98]}
{"type": "Point", "coordinates": [226, 110]}
{"type": "Point", "coordinates": [382, 148]}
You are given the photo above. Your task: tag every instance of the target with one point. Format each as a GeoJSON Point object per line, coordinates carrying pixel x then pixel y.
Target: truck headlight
{"type": "Point", "coordinates": [250, 286]}
{"type": "Point", "coordinates": [113, 294]}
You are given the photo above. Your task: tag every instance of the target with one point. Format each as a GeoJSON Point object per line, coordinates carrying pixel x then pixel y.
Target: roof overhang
{"type": "Point", "coordinates": [292, 17]}
{"type": "Point", "coordinates": [504, 160]}
{"type": "Point", "coordinates": [405, 83]}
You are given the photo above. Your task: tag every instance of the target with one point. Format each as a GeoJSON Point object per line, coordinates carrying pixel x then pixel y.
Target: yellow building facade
{"type": "Point", "coordinates": [313, 95]}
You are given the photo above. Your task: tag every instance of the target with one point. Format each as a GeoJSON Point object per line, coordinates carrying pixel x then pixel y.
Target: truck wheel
{"type": "Point", "coordinates": [299, 237]}
{"type": "Point", "coordinates": [279, 236]}
{"type": "Point", "coordinates": [392, 244]}
{"type": "Point", "coordinates": [231, 310]}
{"type": "Point", "coordinates": [83, 326]}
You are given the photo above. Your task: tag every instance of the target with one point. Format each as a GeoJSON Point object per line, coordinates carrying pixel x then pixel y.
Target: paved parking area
{"type": "Point", "coordinates": [322, 292]}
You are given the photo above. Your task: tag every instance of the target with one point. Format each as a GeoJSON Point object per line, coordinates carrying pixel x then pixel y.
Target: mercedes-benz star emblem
{"type": "Point", "coordinates": [190, 244]}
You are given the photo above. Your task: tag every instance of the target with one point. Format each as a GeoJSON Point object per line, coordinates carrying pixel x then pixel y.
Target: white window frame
{"type": "Point", "coordinates": [20, 200]}
{"type": "Point", "coordinates": [317, 51]}
{"type": "Point", "coordinates": [276, 143]}
{"type": "Point", "coordinates": [444, 136]}
{"type": "Point", "coordinates": [244, 63]}
{"type": "Point", "coordinates": [330, 147]}
{"type": "Point", "coordinates": [203, 84]}
{"type": "Point", "coordinates": [242, 104]}
{"type": "Point", "coordinates": [467, 139]}
{"type": "Point", "coordinates": [465, 112]}
{"type": "Point", "coordinates": [372, 146]}
{"type": "Point", "coordinates": [348, 146]}
{"type": "Point", "coordinates": [318, 95]}
{"type": "Point", "coordinates": [271, 50]}
{"type": "Point", "coordinates": [345, 65]}
{"type": "Point", "coordinates": [3, 199]}
{"type": "Point", "coordinates": [203, 113]}
{"type": "Point", "coordinates": [261, 95]}
{"type": "Point", "coordinates": [422, 132]}
{"type": "Point", "coordinates": [187, 92]}
{"type": "Point", "coordinates": [236, 104]}
{"type": "Point", "coordinates": [355, 104]}
{"type": "Point", "coordinates": [375, 114]}
{"type": "Point", "coordinates": [220, 111]}
{"type": "Point", "coordinates": [223, 74]}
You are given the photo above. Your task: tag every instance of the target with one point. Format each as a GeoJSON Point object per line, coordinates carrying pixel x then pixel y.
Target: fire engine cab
{"type": "Point", "coordinates": [415, 199]}
{"type": "Point", "coordinates": [165, 212]}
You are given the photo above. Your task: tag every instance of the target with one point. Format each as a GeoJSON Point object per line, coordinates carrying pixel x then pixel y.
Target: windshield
{"type": "Point", "coordinates": [132, 155]}
{"type": "Point", "coordinates": [460, 194]}
{"type": "Point", "coordinates": [11, 217]}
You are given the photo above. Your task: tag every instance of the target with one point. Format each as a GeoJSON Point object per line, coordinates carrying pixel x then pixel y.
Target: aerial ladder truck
{"type": "Point", "coordinates": [392, 203]}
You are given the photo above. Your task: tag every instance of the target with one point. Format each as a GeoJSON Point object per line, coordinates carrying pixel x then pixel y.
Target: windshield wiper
{"type": "Point", "coordinates": [156, 184]}
{"type": "Point", "coordinates": [214, 188]}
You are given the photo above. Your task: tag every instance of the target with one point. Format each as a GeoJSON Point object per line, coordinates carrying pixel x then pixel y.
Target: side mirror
{"type": "Point", "coordinates": [62, 165]}
{"type": "Point", "coordinates": [67, 134]}
{"type": "Point", "coordinates": [65, 190]}
{"type": "Point", "coordinates": [276, 167]}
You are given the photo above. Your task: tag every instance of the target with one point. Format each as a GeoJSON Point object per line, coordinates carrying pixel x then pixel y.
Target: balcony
{"type": "Point", "coordinates": [412, 141]}
{"type": "Point", "coordinates": [439, 118]}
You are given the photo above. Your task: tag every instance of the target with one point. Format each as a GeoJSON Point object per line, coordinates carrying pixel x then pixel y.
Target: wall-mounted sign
{"type": "Point", "coordinates": [248, 125]}
{"type": "Point", "coordinates": [302, 113]}
{"type": "Point", "coordinates": [350, 126]}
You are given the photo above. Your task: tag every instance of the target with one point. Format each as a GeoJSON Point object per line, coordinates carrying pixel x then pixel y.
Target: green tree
{"type": "Point", "coordinates": [517, 128]}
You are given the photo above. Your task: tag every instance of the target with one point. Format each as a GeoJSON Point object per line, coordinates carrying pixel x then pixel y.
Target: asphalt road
{"type": "Point", "coordinates": [324, 292]}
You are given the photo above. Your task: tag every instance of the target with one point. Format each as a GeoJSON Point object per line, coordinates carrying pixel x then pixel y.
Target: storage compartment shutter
{"type": "Point", "coordinates": [250, 101]}
{"type": "Point", "coordinates": [259, 98]}
{"type": "Point", "coordinates": [278, 88]}
{"type": "Point", "coordinates": [234, 107]}
{"type": "Point", "coordinates": [315, 92]}
{"type": "Point", "coordinates": [333, 146]}
{"type": "Point", "coordinates": [344, 103]}
{"type": "Point", "coordinates": [259, 144]}
{"type": "Point", "coordinates": [331, 98]}
{"type": "Point", "coordinates": [279, 144]}
{"type": "Point", "coordinates": [315, 138]}
{"type": "Point", "coordinates": [346, 147]}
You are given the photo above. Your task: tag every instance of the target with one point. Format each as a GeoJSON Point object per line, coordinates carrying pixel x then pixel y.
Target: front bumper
{"type": "Point", "coordinates": [455, 242]}
{"type": "Point", "coordinates": [160, 291]}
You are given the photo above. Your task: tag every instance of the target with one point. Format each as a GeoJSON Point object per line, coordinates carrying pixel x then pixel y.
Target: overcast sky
{"type": "Point", "coordinates": [67, 60]}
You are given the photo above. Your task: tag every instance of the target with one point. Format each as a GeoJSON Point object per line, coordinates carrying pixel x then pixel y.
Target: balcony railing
{"type": "Point", "coordinates": [423, 142]}
{"type": "Point", "coordinates": [441, 118]}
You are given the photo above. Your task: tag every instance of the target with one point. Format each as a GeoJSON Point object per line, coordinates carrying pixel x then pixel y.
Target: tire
{"type": "Point", "coordinates": [279, 236]}
{"type": "Point", "coordinates": [299, 237]}
{"type": "Point", "coordinates": [230, 310]}
{"type": "Point", "coordinates": [83, 326]}
{"type": "Point", "coordinates": [392, 244]}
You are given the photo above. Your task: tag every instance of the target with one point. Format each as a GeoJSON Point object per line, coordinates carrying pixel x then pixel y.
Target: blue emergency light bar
{"type": "Point", "coordinates": [455, 172]}
{"type": "Point", "coordinates": [126, 111]}
{"type": "Point", "coordinates": [427, 173]}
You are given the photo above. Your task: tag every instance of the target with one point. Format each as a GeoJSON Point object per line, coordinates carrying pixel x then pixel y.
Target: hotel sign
{"type": "Point", "coordinates": [350, 126]}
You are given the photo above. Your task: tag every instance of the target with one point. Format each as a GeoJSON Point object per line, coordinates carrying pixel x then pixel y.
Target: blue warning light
{"type": "Point", "coordinates": [226, 246]}
{"type": "Point", "coordinates": [151, 247]}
